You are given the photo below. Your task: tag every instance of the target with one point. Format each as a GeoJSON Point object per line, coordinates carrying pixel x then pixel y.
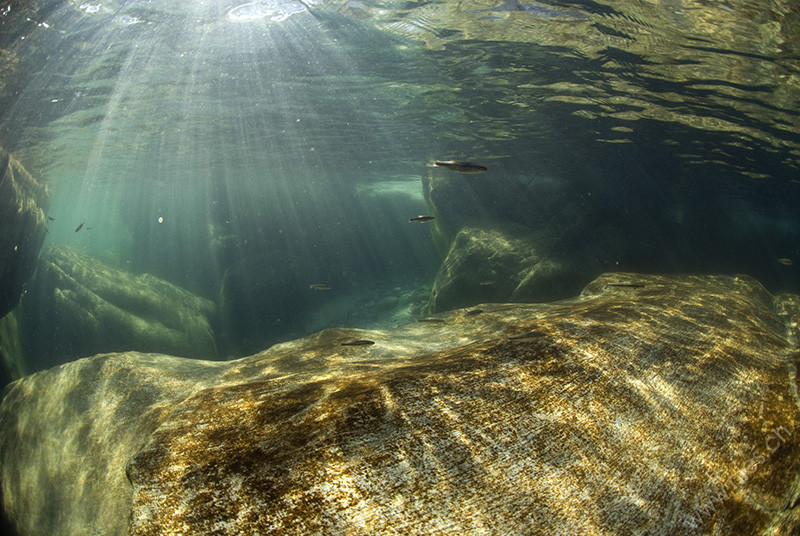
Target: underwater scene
{"type": "Point", "coordinates": [384, 267]}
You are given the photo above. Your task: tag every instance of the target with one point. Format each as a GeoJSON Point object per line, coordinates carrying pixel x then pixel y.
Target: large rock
{"type": "Point", "coordinates": [77, 306]}
{"type": "Point", "coordinates": [648, 405]}
{"type": "Point", "coordinates": [23, 224]}
{"type": "Point", "coordinates": [490, 265]}
{"type": "Point", "coordinates": [553, 207]}
{"type": "Point", "coordinates": [12, 361]}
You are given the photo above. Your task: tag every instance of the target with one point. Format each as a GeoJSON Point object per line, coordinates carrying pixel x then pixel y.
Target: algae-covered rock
{"type": "Point", "coordinates": [648, 405]}
{"type": "Point", "coordinates": [78, 306]}
{"type": "Point", "coordinates": [23, 223]}
{"type": "Point", "coordinates": [489, 265]}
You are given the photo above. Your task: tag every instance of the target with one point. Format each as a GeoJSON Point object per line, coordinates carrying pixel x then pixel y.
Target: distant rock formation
{"type": "Point", "coordinates": [12, 362]}
{"type": "Point", "coordinates": [78, 306]}
{"type": "Point", "coordinates": [486, 265]}
{"type": "Point", "coordinates": [648, 405]}
{"type": "Point", "coordinates": [505, 239]}
{"type": "Point", "coordinates": [23, 224]}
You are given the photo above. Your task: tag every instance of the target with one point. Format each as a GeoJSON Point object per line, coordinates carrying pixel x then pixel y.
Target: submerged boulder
{"type": "Point", "coordinates": [647, 405]}
{"type": "Point", "coordinates": [23, 224]}
{"type": "Point", "coordinates": [77, 305]}
{"type": "Point", "coordinates": [489, 265]}
{"type": "Point", "coordinates": [12, 362]}
{"type": "Point", "coordinates": [550, 206]}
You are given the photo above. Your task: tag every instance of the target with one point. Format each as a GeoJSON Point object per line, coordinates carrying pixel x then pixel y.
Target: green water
{"type": "Point", "coordinates": [283, 144]}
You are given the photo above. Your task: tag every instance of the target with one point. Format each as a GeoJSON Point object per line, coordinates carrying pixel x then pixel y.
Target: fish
{"type": "Point", "coordinates": [422, 219]}
{"type": "Point", "coordinates": [473, 312]}
{"type": "Point", "coordinates": [627, 285]}
{"type": "Point", "coordinates": [319, 286]}
{"type": "Point", "coordinates": [460, 166]}
{"type": "Point", "coordinates": [486, 283]}
{"type": "Point", "coordinates": [431, 320]}
{"type": "Point", "coordinates": [359, 342]}
{"type": "Point", "coordinates": [51, 218]}
{"type": "Point", "coordinates": [528, 336]}
{"type": "Point", "coordinates": [80, 226]}
{"type": "Point", "coordinates": [785, 261]}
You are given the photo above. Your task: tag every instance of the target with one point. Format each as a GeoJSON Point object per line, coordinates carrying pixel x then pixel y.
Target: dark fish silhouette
{"type": "Point", "coordinates": [627, 285]}
{"type": "Point", "coordinates": [51, 218]}
{"type": "Point", "coordinates": [422, 219]}
{"type": "Point", "coordinates": [473, 312]}
{"type": "Point", "coordinates": [359, 342]}
{"type": "Point", "coordinates": [319, 286]}
{"type": "Point", "coordinates": [80, 226]}
{"type": "Point", "coordinates": [461, 166]}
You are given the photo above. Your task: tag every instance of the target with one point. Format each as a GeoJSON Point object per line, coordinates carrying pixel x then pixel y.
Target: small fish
{"type": "Point", "coordinates": [528, 336]}
{"type": "Point", "coordinates": [80, 226]}
{"type": "Point", "coordinates": [473, 312]}
{"type": "Point", "coordinates": [359, 342]}
{"type": "Point", "coordinates": [422, 219]}
{"type": "Point", "coordinates": [461, 166]}
{"type": "Point", "coordinates": [486, 283]}
{"type": "Point", "coordinates": [319, 286]}
{"type": "Point", "coordinates": [785, 261]}
{"type": "Point", "coordinates": [51, 218]}
{"type": "Point", "coordinates": [431, 320]}
{"type": "Point", "coordinates": [627, 285]}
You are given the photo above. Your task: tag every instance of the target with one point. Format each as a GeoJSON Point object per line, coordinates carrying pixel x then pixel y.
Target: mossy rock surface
{"type": "Point", "coordinates": [647, 405]}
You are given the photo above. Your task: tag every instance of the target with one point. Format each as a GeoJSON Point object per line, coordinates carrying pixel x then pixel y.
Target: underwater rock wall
{"type": "Point", "coordinates": [77, 306]}
{"type": "Point", "coordinates": [489, 265]}
{"type": "Point", "coordinates": [648, 405]}
{"type": "Point", "coordinates": [12, 362]}
{"type": "Point", "coordinates": [23, 224]}
{"type": "Point", "coordinates": [505, 239]}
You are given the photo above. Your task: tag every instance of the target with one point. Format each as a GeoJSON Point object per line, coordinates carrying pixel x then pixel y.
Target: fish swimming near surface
{"type": "Point", "coordinates": [359, 342]}
{"type": "Point", "coordinates": [422, 219]}
{"type": "Point", "coordinates": [460, 166]}
{"type": "Point", "coordinates": [80, 226]}
{"type": "Point", "coordinates": [319, 286]}
{"type": "Point", "coordinates": [785, 261]}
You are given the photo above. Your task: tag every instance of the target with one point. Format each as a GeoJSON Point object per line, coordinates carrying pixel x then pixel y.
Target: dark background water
{"type": "Point", "coordinates": [244, 159]}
